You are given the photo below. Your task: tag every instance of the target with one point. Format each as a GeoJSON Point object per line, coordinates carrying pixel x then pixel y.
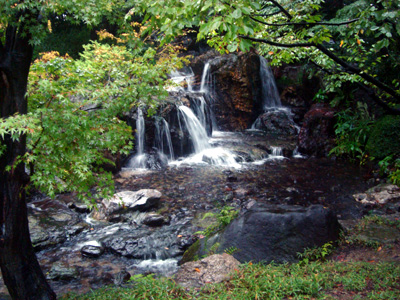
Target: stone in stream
{"type": "Point", "coordinates": [60, 271]}
{"type": "Point", "coordinates": [93, 251]}
{"type": "Point", "coordinates": [153, 219]}
{"type": "Point", "coordinates": [268, 233]}
{"type": "Point", "coordinates": [127, 201]}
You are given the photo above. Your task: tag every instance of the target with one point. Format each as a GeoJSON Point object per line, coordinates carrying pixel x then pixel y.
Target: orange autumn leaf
{"type": "Point", "coordinates": [197, 270]}
{"type": "Point", "coordinates": [358, 42]}
{"type": "Point", "coordinates": [341, 43]}
{"type": "Point", "coordinates": [271, 52]}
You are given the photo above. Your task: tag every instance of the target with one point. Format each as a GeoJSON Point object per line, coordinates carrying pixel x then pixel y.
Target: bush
{"type": "Point", "coordinates": [385, 138]}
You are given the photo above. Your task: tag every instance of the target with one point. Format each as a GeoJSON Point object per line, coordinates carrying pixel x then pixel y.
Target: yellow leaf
{"type": "Point", "coordinates": [358, 42]}
{"type": "Point", "coordinates": [379, 249]}
{"type": "Point", "coordinates": [341, 43]}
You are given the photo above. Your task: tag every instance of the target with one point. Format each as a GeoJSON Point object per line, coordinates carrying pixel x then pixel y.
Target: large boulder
{"type": "Point", "coordinates": [317, 135]}
{"type": "Point", "coordinates": [276, 233]}
{"type": "Point", "coordinates": [127, 201]}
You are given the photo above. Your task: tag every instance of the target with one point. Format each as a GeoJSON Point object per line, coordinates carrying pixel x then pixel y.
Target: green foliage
{"type": "Point", "coordinates": [385, 137]}
{"type": "Point", "coordinates": [358, 280]}
{"type": "Point", "coordinates": [74, 108]}
{"type": "Point", "coordinates": [391, 167]}
{"type": "Point", "coordinates": [352, 131]}
{"type": "Point", "coordinates": [316, 253]}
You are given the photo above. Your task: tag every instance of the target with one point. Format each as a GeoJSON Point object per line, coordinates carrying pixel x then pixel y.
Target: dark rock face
{"type": "Point", "coordinates": [236, 88]}
{"type": "Point", "coordinates": [268, 233]}
{"type": "Point", "coordinates": [317, 135]}
{"type": "Point", "coordinates": [297, 90]}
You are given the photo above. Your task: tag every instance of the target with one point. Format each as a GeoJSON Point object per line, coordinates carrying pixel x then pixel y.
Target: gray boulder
{"type": "Point", "coordinates": [276, 233]}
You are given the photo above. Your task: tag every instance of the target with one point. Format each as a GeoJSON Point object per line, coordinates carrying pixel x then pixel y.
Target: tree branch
{"type": "Point", "coordinates": [351, 69]}
{"type": "Point", "coordinates": [305, 23]}
{"type": "Point", "coordinates": [294, 45]}
{"type": "Point", "coordinates": [268, 15]}
{"type": "Point", "coordinates": [282, 9]}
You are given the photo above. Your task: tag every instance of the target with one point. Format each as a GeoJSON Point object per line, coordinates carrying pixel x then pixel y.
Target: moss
{"type": "Point", "coordinates": [385, 137]}
{"type": "Point", "coordinates": [191, 254]}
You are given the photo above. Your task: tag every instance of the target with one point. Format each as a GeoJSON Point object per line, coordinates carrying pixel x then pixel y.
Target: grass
{"type": "Point", "coordinates": [314, 280]}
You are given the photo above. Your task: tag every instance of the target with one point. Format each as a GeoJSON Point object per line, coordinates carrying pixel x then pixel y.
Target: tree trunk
{"type": "Point", "coordinates": [20, 269]}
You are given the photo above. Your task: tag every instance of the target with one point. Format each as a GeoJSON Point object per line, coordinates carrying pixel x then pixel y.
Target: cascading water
{"type": "Point", "coordinates": [275, 115]}
{"type": "Point", "coordinates": [139, 160]}
{"type": "Point", "coordinates": [196, 130]}
{"type": "Point", "coordinates": [270, 94]}
{"type": "Point", "coordinates": [205, 78]}
{"type": "Point", "coordinates": [163, 139]}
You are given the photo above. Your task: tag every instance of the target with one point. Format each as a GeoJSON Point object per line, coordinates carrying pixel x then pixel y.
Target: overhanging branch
{"type": "Point", "coordinates": [265, 41]}
{"type": "Point", "coordinates": [282, 9]}
{"type": "Point", "coordinates": [304, 23]}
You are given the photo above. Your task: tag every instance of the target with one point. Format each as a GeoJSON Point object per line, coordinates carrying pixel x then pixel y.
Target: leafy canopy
{"type": "Point", "coordinates": [350, 47]}
{"type": "Point", "coordinates": [75, 112]}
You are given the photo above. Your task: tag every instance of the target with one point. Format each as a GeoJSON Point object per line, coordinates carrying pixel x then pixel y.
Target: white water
{"type": "Point", "coordinates": [139, 160]}
{"type": "Point", "coordinates": [163, 135]}
{"type": "Point", "coordinates": [182, 79]}
{"type": "Point", "coordinates": [196, 130]}
{"type": "Point", "coordinates": [205, 78]}
{"type": "Point", "coordinates": [270, 94]}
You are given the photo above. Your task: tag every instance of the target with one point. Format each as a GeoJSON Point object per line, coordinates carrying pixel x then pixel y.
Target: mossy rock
{"type": "Point", "coordinates": [385, 137]}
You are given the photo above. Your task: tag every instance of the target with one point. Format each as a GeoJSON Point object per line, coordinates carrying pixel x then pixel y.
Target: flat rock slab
{"type": "Point", "coordinates": [212, 269]}
{"type": "Point", "coordinates": [379, 195]}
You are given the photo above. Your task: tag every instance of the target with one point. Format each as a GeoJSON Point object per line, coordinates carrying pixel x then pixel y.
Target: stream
{"type": "Point", "coordinates": [224, 169]}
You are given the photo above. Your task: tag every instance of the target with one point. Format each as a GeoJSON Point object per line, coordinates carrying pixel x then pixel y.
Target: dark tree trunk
{"type": "Point", "coordinates": [20, 268]}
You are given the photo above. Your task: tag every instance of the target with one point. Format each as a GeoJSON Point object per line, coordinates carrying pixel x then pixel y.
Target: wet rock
{"type": "Point", "coordinates": [127, 201]}
{"type": "Point", "coordinates": [317, 135]}
{"type": "Point", "coordinates": [162, 243]}
{"type": "Point", "coordinates": [122, 277]}
{"type": "Point", "coordinates": [237, 88]}
{"type": "Point", "coordinates": [60, 271]}
{"type": "Point", "coordinates": [80, 208]}
{"type": "Point", "coordinates": [379, 195]}
{"type": "Point", "coordinates": [276, 121]}
{"type": "Point", "coordinates": [274, 233]}
{"type": "Point", "coordinates": [212, 269]}
{"type": "Point", "coordinates": [92, 251]}
{"type": "Point", "coordinates": [153, 219]}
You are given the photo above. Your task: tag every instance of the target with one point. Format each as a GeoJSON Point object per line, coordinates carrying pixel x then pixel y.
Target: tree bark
{"type": "Point", "coordinates": [20, 269]}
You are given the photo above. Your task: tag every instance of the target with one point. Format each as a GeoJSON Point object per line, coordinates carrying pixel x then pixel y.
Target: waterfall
{"type": "Point", "coordinates": [184, 80]}
{"type": "Point", "coordinates": [205, 78]}
{"type": "Point", "coordinates": [139, 160]}
{"type": "Point", "coordinates": [199, 107]}
{"type": "Point", "coordinates": [270, 95]}
{"type": "Point", "coordinates": [196, 130]}
{"type": "Point", "coordinates": [163, 138]}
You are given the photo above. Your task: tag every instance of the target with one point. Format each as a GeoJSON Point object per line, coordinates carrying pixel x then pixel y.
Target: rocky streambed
{"type": "Point", "coordinates": [79, 251]}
